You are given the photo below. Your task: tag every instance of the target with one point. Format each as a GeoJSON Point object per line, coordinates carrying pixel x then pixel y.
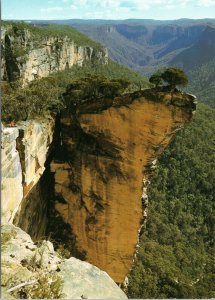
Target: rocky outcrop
{"type": "Point", "coordinates": [101, 176]}
{"type": "Point", "coordinates": [24, 152]}
{"type": "Point", "coordinates": [102, 167]}
{"type": "Point", "coordinates": [38, 272]}
{"type": "Point", "coordinates": [11, 185]}
{"type": "Point", "coordinates": [26, 56]}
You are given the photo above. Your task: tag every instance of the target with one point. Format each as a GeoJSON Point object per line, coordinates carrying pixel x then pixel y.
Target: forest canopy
{"type": "Point", "coordinates": [175, 259]}
{"type": "Point", "coordinates": [43, 95]}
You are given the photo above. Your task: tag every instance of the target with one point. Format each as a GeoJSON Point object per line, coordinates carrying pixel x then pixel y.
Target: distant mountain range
{"type": "Point", "coordinates": [146, 45]}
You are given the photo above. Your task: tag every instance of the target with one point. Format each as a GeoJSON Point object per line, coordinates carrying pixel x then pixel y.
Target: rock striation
{"type": "Point", "coordinates": [25, 149]}
{"type": "Point", "coordinates": [11, 184]}
{"type": "Point", "coordinates": [109, 152]}
{"type": "Point", "coordinates": [25, 56]}
{"type": "Point", "coordinates": [22, 261]}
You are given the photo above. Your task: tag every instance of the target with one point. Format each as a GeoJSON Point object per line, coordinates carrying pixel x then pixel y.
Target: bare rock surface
{"type": "Point", "coordinates": [27, 57]}
{"type": "Point", "coordinates": [111, 147]}
{"type": "Point", "coordinates": [24, 262]}
{"type": "Point", "coordinates": [24, 152]}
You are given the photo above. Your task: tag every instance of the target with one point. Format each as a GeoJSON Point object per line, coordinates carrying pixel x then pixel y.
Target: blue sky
{"type": "Point", "coordinates": [107, 9]}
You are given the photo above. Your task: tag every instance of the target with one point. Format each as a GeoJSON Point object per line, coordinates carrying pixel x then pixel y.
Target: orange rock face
{"type": "Point", "coordinates": [101, 179]}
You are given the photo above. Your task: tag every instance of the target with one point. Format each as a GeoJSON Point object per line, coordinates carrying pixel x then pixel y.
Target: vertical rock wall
{"type": "Point", "coordinates": [11, 184]}
{"type": "Point", "coordinates": [100, 183]}
{"type": "Point", "coordinates": [100, 177]}
{"type": "Point", "coordinates": [24, 152]}
{"type": "Point", "coordinates": [27, 57]}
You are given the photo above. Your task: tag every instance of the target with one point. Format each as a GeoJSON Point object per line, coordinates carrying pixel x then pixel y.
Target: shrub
{"type": "Point", "coordinates": [171, 76]}
{"type": "Point", "coordinates": [37, 98]}
{"type": "Point", "coordinates": [47, 287]}
{"type": "Point", "coordinates": [43, 95]}
{"type": "Point", "coordinates": [7, 236]}
{"type": "Point", "coordinates": [96, 87]}
{"type": "Point", "coordinates": [174, 77]}
{"type": "Point", "coordinates": [156, 79]}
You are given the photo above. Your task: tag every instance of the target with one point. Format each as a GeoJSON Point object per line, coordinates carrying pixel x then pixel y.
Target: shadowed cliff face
{"type": "Point", "coordinates": [100, 181]}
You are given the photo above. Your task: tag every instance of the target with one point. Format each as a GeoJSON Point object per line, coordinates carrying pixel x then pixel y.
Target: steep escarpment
{"type": "Point", "coordinates": [104, 166]}
{"type": "Point", "coordinates": [105, 153]}
{"type": "Point", "coordinates": [34, 270]}
{"type": "Point", "coordinates": [200, 53]}
{"type": "Point", "coordinates": [11, 175]}
{"type": "Point", "coordinates": [29, 53]}
{"type": "Point", "coordinates": [26, 187]}
{"type": "Point", "coordinates": [25, 150]}
{"type": "Point", "coordinates": [144, 44]}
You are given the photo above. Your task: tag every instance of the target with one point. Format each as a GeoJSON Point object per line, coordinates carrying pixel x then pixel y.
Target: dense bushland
{"type": "Point", "coordinates": [45, 94]}
{"type": "Point", "coordinates": [202, 82]}
{"type": "Point", "coordinates": [175, 259]}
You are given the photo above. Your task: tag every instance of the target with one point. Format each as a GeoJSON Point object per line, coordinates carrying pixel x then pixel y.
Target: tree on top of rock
{"type": "Point", "coordinates": [174, 77]}
{"type": "Point", "coordinates": [93, 87]}
{"type": "Point", "coordinates": [156, 79]}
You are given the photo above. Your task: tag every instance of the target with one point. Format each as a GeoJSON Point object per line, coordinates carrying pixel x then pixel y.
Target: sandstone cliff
{"type": "Point", "coordinates": [27, 56]}
{"type": "Point", "coordinates": [104, 157]}
{"type": "Point", "coordinates": [24, 152]}
{"type": "Point", "coordinates": [101, 175]}
{"type": "Point", "coordinates": [25, 196]}
{"type": "Point", "coordinates": [11, 185]}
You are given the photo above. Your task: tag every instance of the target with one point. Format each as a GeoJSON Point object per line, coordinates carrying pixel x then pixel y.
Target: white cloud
{"type": "Point", "coordinates": [115, 9]}
{"type": "Point", "coordinates": [206, 3]}
{"type": "Point", "coordinates": [73, 7]}
{"type": "Point", "coordinates": [147, 4]}
{"type": "Point", "coordinates": [51, 9]}
{"type": "Point", "coordinates": [137, 4]}
{"type": "Point", "coordinates": [130, 5]}
{"type": "Point", "coordinates": [83, 2]}
{"type": "Point", "coordinates": [110, 3]}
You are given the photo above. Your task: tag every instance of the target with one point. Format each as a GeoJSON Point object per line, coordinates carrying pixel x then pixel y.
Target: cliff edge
{"type": "Point", "coordinates": [30, 53]}
{"type": "Point", "coordinates": [99, 167]}
{"type": "Point", "coordinates": [109, 150]}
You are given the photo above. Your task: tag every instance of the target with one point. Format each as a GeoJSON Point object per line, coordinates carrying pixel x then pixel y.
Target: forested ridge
{"type": "Point", "coordinates": [202, 82]}
{"type": "Point", "coordinates": [175, 258]}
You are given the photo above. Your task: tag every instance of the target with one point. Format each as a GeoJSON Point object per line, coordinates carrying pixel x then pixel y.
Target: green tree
{"type": "Point", "coordinates": [174, 77]}
{"type": "Point", "coordinates": [156, 79]}
{"type": "Point", "coordinates": [91, 88]}
{"type": "Point", "coordinates": [39, 97]}
{"type": "Point", "coordinates": [45, 94]}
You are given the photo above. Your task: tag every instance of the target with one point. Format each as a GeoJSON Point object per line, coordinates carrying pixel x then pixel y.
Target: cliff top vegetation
{"type": "Point", "coordinates": [171, 77]}
{"type": "Point", "coordinates": [43, 95]}
{"type": "Point", "coordinates": [52, 30]}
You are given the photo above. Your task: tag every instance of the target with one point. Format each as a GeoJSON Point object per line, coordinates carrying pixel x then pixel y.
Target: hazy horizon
{"type": "Point", "coordinates": [107, 9]}
{"type": "Point", "coordinates": [127, 19]}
